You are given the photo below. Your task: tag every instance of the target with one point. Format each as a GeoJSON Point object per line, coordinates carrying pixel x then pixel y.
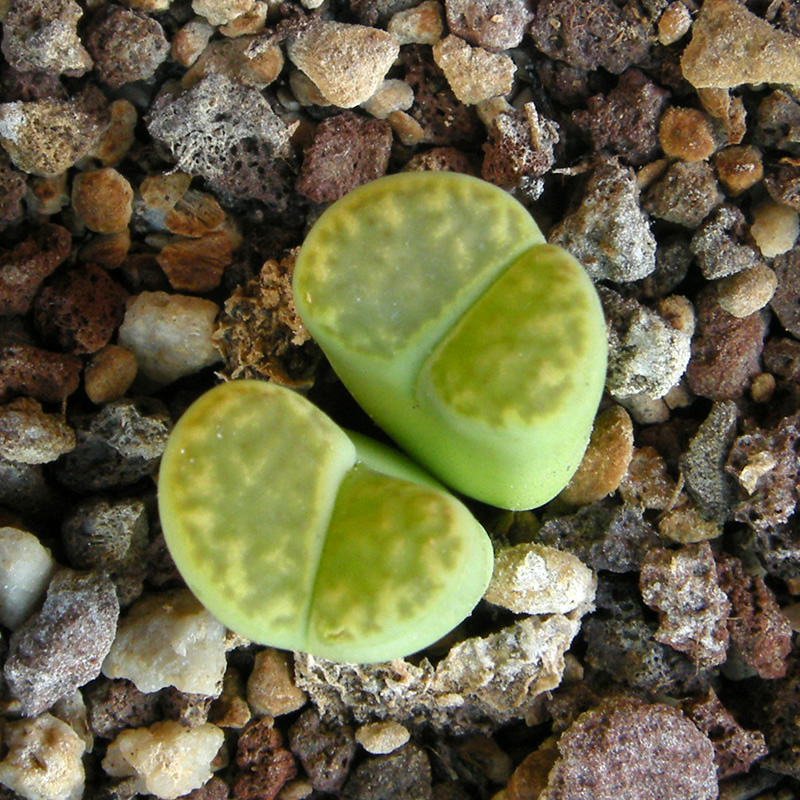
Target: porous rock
{"type": "Point", "coordinates": [169, 639]}
{"type": "Point", "coordinates": [717, 244]}
{"type": "Point", "coordinates": [32, 436]}
{"type": "Point", "coordinates": [26, 567]}
{"type": "Point", "coordinates": [271, 690]}
{"type": "Point", "coordinates": [537, 579]}
{"type": "Point", "coordinates": [43, 761]}
{"type": "Point", "coordinates": [627, 748]}
{"type": "Point", "coordinates": [228, 134]}
{"type": "Point", "coordinates": [693, 611]}
{"type": "Point", "coordinates": [404, 774]}
{"type": "Point", "coordinates": [324, 750]}
{"type": "Point", "coordinates": [42, 36]}
{"type": "Point", "coordinates": [686, 194]}
{"type": "Point", "coordinates": [607, 231]}
{"type": "Point", "coordinates": [62, 647]}
{"type": "Point", "coordinates": [113, 706]}
{"type": "Point", "coordinates": [491, 24]}
{"type": "Point", "coordinates": [167, 759]}
{"type": "Point", "coordinates": [346, 62]}
{"type": "Point", "coordinates": [474, 74]}
{"type": "Point", "coordinates": [264, 763]}
{"type": "Point", "coordinates": [29, 370]}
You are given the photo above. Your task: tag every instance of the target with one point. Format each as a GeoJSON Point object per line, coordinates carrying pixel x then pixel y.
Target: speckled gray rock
{"type": "Point", "coordinates": [42, 35]}
{"type": "Point", "coordinates": [228, 134]}
{"type": "Point", "coordinates": [30, 435]}
{"type": "Point", "coordinates": [115, 447]}
{"type": "Point", "coordinates": [686, 194]}
{"type": "Point", "coordinates": [718, 247]}
{"type": "Point", "coordinates": [608, 232]}
{"type": "Point", "coordinates": [491, 24]}
{"type": "Point", "coordinates": [324, 750]}
{"type": "Point", "coordinates": [113, 534]}
{"type": "Point", "coordinates": [62, 647]}
{"type": "Point", "coordinates": [402, 775]}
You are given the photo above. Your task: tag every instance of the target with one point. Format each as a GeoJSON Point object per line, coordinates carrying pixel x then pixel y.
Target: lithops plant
{"type": "Point", "coordinates": [477, 346]}
{"type": "Point", "coordinates": [296, 534]}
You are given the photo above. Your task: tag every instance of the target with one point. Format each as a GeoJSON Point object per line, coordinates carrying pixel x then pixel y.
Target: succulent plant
{"type": "Point", "coordinates": [479, 348]}
{"type": "Point", "coordinates": [299, 535]}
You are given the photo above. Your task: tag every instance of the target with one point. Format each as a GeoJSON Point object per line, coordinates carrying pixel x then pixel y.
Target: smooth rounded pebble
{"type": "Point", "coordinates": [103, 199]}
{"type": "Point", "coordinates": [26, 567]}
{"type": "Point", "coordinates": [775, 228]}
{"type": "Point", "coordinates": [380, 738]}
{"type": "Point", "coordinates": [746, 292]}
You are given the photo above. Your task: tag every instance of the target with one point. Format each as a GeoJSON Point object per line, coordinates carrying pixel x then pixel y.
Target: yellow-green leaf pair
{"type": "Point", "coordinates": [478, 347]}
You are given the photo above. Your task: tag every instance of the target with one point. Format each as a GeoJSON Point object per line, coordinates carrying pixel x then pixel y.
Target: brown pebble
{"type": "Point", "coordinates": [47, 376]}
{"type": "Point", "coordinates": [530, 777]}
{"type": "Point", "coordinates": [194, 215]}
{"type": "Point", "coordinates": [746, 292]}
{"type": "Point", "coordinates": [51, 194]}
{"type": "Point", "coordinates": [739, 167]}
{"type": "Point", "coordinates": [674, 23]}
{"type": "Point", "coordinates": [686, 133]}
{"type": "Point", "coordinates": [196, 265]}
{"type": "Point", "coordinates": [103, 199]}
{"type": "Point", "coordinates": [107, 250]}
{"type": "Point", "coordinates": [271, 689]}
{"type": "Point", "coordinates": [109, 374]}
{"type": "Point", "coordinates": [407, 129]}
{"type": "Point", "coordinates": [606, 459]}
{"type": "Point", "coordinates": [763, 387]}
{"type": "Point", "coordinates": [687, 525]}
{"type": "Point", "coordinates": [647, 482]}
{"type": "Point", "coordinates": [119, 136]}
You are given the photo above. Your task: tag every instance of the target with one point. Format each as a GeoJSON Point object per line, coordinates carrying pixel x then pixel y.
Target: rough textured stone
{"type": "Point", "coordinates": [381, 738]}
{"type": "Point", "coordinates": [325, 751]}
{"type": "Point", "coordinates": [717, 244]}
{"type": "Point", "coordinates": [102, 199]}
{"type": "Point", "coordinates": [264, 764]}
{"type": "Point", "coordinates": [32, 436]}
{"type": "Point", "coordinates": [607, 231]}
{"type": "Point", "coordinates": [404, 774]}
{"type": "Point", "coordinates": [26, 567]}
{"type": "Point", "coordinates": [686, 133]}
{"type": "Point", "coordinates": [422, 24]}
{"type": "Point", "coordinates": [686, 194]}
{"type": "Point", "coordinates": [28, 370]}
{"type": "Point", "coordinates": [113, 706]}
{"type": "Point", "coordinates": [474, 74]}
{"type": "Point", "coordinates": [784, 302]}
{"type": "Point", "coordinates": [271, 689]}
{"type": "Point", "coordinates": [62, 647]}
{"type": "Point", "coordinates": [775, 228]}
{"type": "Point", "coordinates": [220, 12]}
{"type": "Point", "coordinates": [12, 189]}
{"type": "Point", "coordinates": [693, 611]}
{"type": "Point", "coordinates": [196, 265]}
{"type": "Point", "coordinates": [491, 24]}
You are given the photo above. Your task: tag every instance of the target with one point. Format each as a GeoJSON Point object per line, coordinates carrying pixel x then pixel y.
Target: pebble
{"type": "Point", "coordinates": [49, 195]}
{"type": "Point", "coordinates": [148, 5]}
{"type": "Point", "coordinates": [492, 24]}
{"type": "Point", "coordinates": [747, 292]}
{"type": "Point", "coordinates": [237, 60]}
{"type": "Point", "coordinates": [474, 74]}
{"type": "Point", "coordinates": [271, 689]}
{"type": "Point", "coordinates": [391, 95]}
{"type": "Point", "coordinates": [264, 764]}
{"type": "Point", "coordinates": [406, 128]}
{"type": "Point", "coordinates": [47, 137]}
{"type": "Point", "coordinates": [196, 265]}
{"type": "Point", "coordinates": [763, 387]}
{"type": "Point", "coordinates": [60, 648]}
{"type": "Point", "coordinates": [674, 23]}
{"type": "Point", "coordinates": [221, 12]}
{"type": "Point", "coordinates": [739, 167]}
{"type": "Point", "coordinates": [687, 525]}
{"type": "Point", "coordinates": [108, 251]}
{"type": "Point", "coordinates": [686, 133]}
{"type": "Point", "coordinates": [109, 374]}
{"type": "Point", "coordinates": [102, 198]}
{"type": "Point", "coordinates": [190, 40]}
{"type": "Point", "coordinates": [605, 461]}
{"type": "Point", "coordinates": [169, 639]}
{"type": "Point", "coordinates": [381, 738]}
{"type": "Point", "coordinates": [718, 244]}
{"type": "Point", "coordinates": [324, 52]}
{"type": "Point", "coordinates": [126, 45]}
{"type": "Point", "coordinates": [775, 228]}
{"type": "Point", "coordinates": [113, 706]}
{"type": "Point", "coordinates": [168, 759]}
{"type": "Point", "coordinates": [170, 335]}
{"type": "Point", "coordinates": [422, 24]}
{"type": "Point", "coordinates": [404, 774]}
{"type": "Point", "coordinates": [686, 194]}
{"type": "Point", "coordinates": [26, 567]}
{"type": "Point", "coordinates": [325, 750]}
{"type": "Point", "coordinates": [44, 759]}
{"type": "Point", "coordinates": [119, 136]}
{"type": "Point", "coordinates": [42, 36]}
{"type": "Point", "coordinates": [731, 46]}
{"type": "Point", "coordinates": [194, 215]}
{"type": "Point", "coordinates": [28, 370]}
{"type": "Point", "coordinates": [532, 578]}
{"type": "Point", "coordinates": [230, 709]}
{"type": "Point", "coordinates": [251, 22]}
{"type": "Point", "coordinates": [30, 435]}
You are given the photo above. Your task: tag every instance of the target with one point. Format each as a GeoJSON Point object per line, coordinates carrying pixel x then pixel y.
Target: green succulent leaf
{"type": "Point", "coordinates": [477, 346]}
{"type": "Point", "coordinates": [299, 535]}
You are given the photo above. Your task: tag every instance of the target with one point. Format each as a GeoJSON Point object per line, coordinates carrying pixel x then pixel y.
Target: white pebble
{"type": "Point", "coordinates": [170, 335]}
{"type": "Point", "coordinates": [26, 568]}
{"type": "Point", "coordinates": [169, 639]}
{"type": "Point", "coordinates": [43, 760]}
{"type": "Point", "coordinates": [775, 228]}
{"type": "Point", "coordinates": [168, 759]}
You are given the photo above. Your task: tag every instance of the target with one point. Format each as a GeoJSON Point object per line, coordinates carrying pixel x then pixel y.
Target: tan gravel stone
{"type": "Point", "coordinates": [219, 12]}
{"type": "Point", "coordinates": [234, 59]}
{"type": "Point", "coordinates": [474, 74]}
{"type": "Point", "coordinates": [687, 525]}
{"type": "Point", "coordinates": [746, 292]}
{"type": "Point", "coordinates": [674, 23]}
{"type": "Point", "coordinates": [252, 21]}
{"type": "Point", "coordinates": [738, 168]}
{"type": "Point", "coordinates": [190, 41]}
{"type": "Point", "coordinates": [346, 62]}
{"type": "Point", "coordinates": [109, 374]}
{"type": "Point", "coordinates": [29, 435]}
{"type": "Point", "coordinates": [380, 738]}
{"type": "Point", "coordinates": [731, 46]}
{"type": "Point", "coordinates": [686, 133]}
{"type": "Point", "coordinates": [196, 265]}
{"type": "Point", "coordinates": [108, 250]}
{"type": "Point", "coordinates": [391, 95]}
{"type": "Point", "coordinates": [119, 136]}
{"type": "Point", "coordinates": [423, 24]}
{"type": "Point", "coordinates": [103, 199]}
{"type": "Point", "coordinates": [775, 228]}
{"type": "Point", "coordinates": [406, 128]}
{"type": "Point", "coordinates": [271, 689]}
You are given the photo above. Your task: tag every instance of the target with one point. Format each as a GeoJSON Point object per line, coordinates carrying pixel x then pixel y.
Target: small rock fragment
{"type": "Point", "coordinates": [169, 639]}
{"type": "Point", "coordinates": [28, 370]}
{"type": "Point", "coordinates": [647, 482]}
{"type": "Point", "coordinates": [347, 62]}
{"type": "Point", "coordinates": [747, 292]}
{"type": "Point", "coordinates": [30, 435]}
{"type": "Point", "coordinates": [61, 647]}
{"type": "Point", "coordinates": [422, 24]}
{"type": "Point", "coordinates": [783, 185]}
{"type": "Point", "coordinates": [47, 137]}
{"type": "Point", "coordinates": [170, 335]}
{"type": "Point", "coordinates": [687, 524]}
{"type": "Point", "coordinates": [674, 23]}
{"type": "Point", "coordinates": [264, 764]}
{"type": "Point", "coordinates": [109, 374]}
{"type": "Point", "coordinates": [686, 133]}
{"type": "Point", "coordinates": [608, 232]}
{"type": "Point", "coordinates": [120, 134]}
{"type": "Point", "coordinates": [190, 40]}
{"type": "Point", "coordinates": [42, 36]}
{"type": "Point", "coordinates": [404, 774]}
{"type": "Point", "coordinates": [491, 24]}
{"type": "Point", "coordinates": [693, 611]}
{"type": "Point", "coordinates": [26, 567]}
{"type": "Point", "coordinates": [730, 46]}
{"type": "Point", "coordinates": [167, 759]}
{"type": "Point", "coordinates": [271, 689]}
{"type": "Point", "coordinates": [324, 750]}
{"type": "Point", "coordinates": [243, 60]}
{"type": "Point", "coordinates": [348, 150]}
{"type": "Point", "coordinates": [12, 189]}
{"type": "Point", "coordinates": [220, 12]}
{"type": "Point", "coordinates": [113, 706]}
{"type": "Point", "coordinates": [474, 74]}
{"type": "Point", "coordinates": [663, 753]}
{"type": "Point", "coordinates": [537, 579]}
{"type": "Point", "coordinates": [778, 119]}
{"type": "Point", "coordinates": [406, 128]}
{"type": "Point", "coordinates": [391, 95]}
{"type": "Point", "coordinates": [725, 349]}
{"type": "Point", "coordinates": [194, 215]}
{"type": "Point", "coordinates": [739, 167]}
{"type": "Point", "coordinates": [606, 459]}
{"type": "Point", "coordinates": [102, 199]}
{"type": "Point", "coordinates": [196, 265]}
{"type": "Point", "coordinates": [108, 251]}
{"type": "Point", "coordinates": [43, 761]}
{"type": "Point", "coordinates": [686, 194]}
{"type": "Point", "coordinates": [716, 245]}
{"type": "Point", "coordinates": [381, 738]}
{"type": "Point", "coordinates": [126, 45]}
{"type": "Point", "coordinates": [775, 228]}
